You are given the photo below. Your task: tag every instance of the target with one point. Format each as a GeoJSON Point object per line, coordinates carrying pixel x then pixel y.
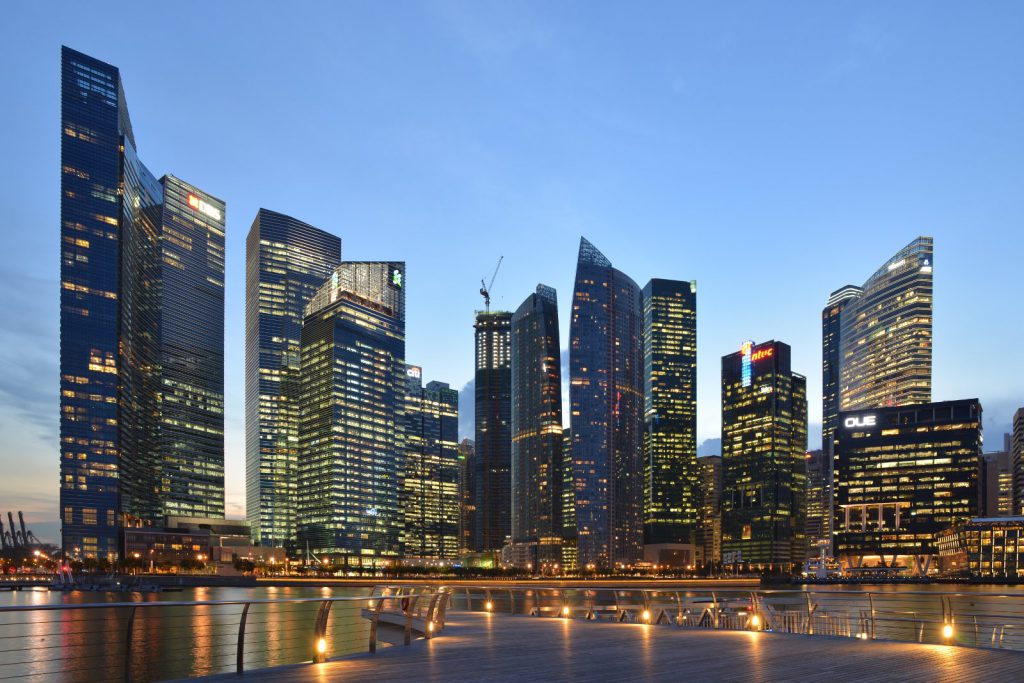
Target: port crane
{"type": "Point", "coordinates": [485, 287]}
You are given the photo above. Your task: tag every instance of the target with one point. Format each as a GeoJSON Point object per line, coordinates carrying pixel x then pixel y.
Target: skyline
{"type": "Point", "coordinates": [556, 207]}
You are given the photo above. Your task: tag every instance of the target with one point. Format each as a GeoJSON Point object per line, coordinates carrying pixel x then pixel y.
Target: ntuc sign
{"type": "Point", "coordinates": [855, 421]}
{"type": "Point", "coordinates": [761, 354]}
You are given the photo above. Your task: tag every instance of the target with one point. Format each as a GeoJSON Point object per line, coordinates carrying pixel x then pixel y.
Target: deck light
{"type": "Point", "coordinates": [947, 631]}
{"type": "Point", "coordinates": [755, 621]}
{"type": "Point", "coordinates": [488, 606]}
{"type": "Point", "coordinates": [430, 626]}
{"type": "Point", "coordinates": [646, 615]}
{"type": "Point", "coordinates": [321, 646]}
{"type": "Point", "coordinates": [565, 610]}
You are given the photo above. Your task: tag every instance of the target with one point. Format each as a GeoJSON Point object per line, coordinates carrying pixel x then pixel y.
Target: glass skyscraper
{"type": "Point", "coordinates": [886, 334]}
{"type": "Point", "coordinates": [430, 478]}
{"type": "Point", "coordinates": [287, 260]}
{"type": "Point", "coordinates": [352, 416]}
{"type": "Point", "coordinates": [831, 334]}
{"type": "Point", "coordinates": [710, 467]}
{"type": "Point", "coordinates": [491, 467]}
{"type": "Point", "coordinates": [671, 478]}
{"type": "Point", "coordinates": [142, 324]}
{"type": "Point", "coordinates": [606, 397]}
{"type": "Point", "coordinates": [764, 441]}
{"type": "Point", "coordinates": [903, 475]}
{"type": "Point", "coordinates": [538, 465]}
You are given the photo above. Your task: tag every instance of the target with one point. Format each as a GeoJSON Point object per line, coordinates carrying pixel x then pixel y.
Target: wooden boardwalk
{"type": "Point", "coordinates": [493, 647]}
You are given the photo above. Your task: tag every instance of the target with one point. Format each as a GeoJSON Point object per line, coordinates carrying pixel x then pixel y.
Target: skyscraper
{"type": "Point", "coordinates": [819, 503]}
{"type": "Point", "coordinates": [671, 477]}
{"type": "Point", "coordinates": [142, 323]}
{"type": "Point", "coordinates": [710, 467]}
{"type": "Point", "coordinates": [1017, 461]}
{"type": "Point", "coordinates": [352, 415]}
{"type": "Point", "coordinates": [430, 474]}
{"type": "Point", "coordinates": [466, 506]}
{"type": "Point", "coordinates": [831, 329]}
{"type": "Point", "coordinates": [606, 396]}
{"type": "Point", "coordinates": [886, 334]}
{"type": "Point", "coordinates": [764, 441]}
{"type": "Point", "coordinates": [492, 458]}
{"type": "Point", "coordinates": [286, 262]}
{"type": "Point", "coordinates": [903, 475]}
{"type": "Point", "coordinates": [537, 460]}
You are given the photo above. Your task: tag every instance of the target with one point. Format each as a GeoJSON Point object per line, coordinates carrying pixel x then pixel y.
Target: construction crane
{"type": "Point", "coordinates": [485, 288]}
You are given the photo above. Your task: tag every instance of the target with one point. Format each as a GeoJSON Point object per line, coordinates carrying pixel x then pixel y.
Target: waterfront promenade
{"type": "Point", "coordinates": [482, 646]}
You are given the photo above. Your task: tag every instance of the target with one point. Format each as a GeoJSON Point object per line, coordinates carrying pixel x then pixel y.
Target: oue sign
{"type": "Point", "coordinates": [859, 421]}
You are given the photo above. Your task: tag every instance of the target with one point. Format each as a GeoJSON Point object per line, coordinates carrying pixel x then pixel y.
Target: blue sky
{"type": "Point", "coordinates": [771, 151]}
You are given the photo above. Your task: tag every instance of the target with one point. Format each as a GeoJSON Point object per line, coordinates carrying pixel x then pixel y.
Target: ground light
{"type": "Point", "coordinates": [565, 611]}
{"type": "Point", "coordinates": [488, 606]}
{"type": "Point", "coordinates": [755, 621]}
{"type": "Point", "coordinates": [646, 616]}
{"type": "Point", "coordinates": [321, 645]}
{"type": "Point", "coordinates": [947, 631]}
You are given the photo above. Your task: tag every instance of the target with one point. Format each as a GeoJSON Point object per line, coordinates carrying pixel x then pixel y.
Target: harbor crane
{"type": "Point", "coordinates": [485, 288]}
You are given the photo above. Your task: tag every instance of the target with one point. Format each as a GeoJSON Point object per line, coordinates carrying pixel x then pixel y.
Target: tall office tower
{"type": "Point", "coordinates": [903, 475]}
{"type": "Point", "coordinates": [606, 397]}
{"type": "Point", "coordinates": [764, 441]}
{"type": "Point", "coordinates": [710, 467]}
{"type": "Point", "coordinates": [142, 320]}
{"type": "Point", "coordinates": [286, 262]}
{"type": "Point", "coordinates": [492, 459]}
{"type": "Point", "coordinates": [831, 328]}
{"type": "Point", "coordinates": [430, 482]}
{"type": "Point", "coordinates": [537, 458]}
{"type": "Point", "coordinates": [352, 415]}
{"type": "Point", "coordinates": [671, 477]}
{"type": "Point", "coordinates": [466, 505]}
{"type": "Point", "coordinates": [995, 484]}
{"type": "Point", "coordinates": [1017, 461]}
{"type": "Point", "coordinates": [570, 554]}
{"type": "Point", "coordinates": [819, 503]}
{"type": "Point", "coordinates": [886, 334]}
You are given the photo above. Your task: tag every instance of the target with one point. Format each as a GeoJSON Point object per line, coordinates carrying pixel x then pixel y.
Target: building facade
{"type": "Point", "coordinates": [995, 483]}
{"type": "Point", "coordinates": [886, 334]}
{"type": "Point", "coordinates": [902, 475]}
{"type": "Point", "coordinates": [672, 508]}
{"type": "Point", "coordinates": [287, 260]}
{"type": "Point", "coordinates": [467, 508]}
{"type": "Point", "coordinates": [764, 442]}
{"type": "Point", "coordinates": [142, 324]}
{"type": "Point", "coordinates": [538, 464]}
{"type": "Point", "coordinates": [430, 478]}
{"type": "Point", "coordinates": [819, 503]}
{"type": "Point", "coordinates": [1017, 461]}
{"type": "Point", "coordinates": [711, 508]}
{"type": "Point", "coordinates": [352, 416]}
{"type": "Point", "coordinates": [492, 457]}
{"type": "Point", "coordinates": [606, 397]}
{"type": "Point", "coordinates": [984, 548]}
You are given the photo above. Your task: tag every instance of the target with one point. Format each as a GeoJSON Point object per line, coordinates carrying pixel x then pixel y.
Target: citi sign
{"type": "Point", "coordinates": [859, 421]}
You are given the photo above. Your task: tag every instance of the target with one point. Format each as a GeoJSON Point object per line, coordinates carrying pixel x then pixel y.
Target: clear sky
{"type": "Point", "coordinates": [771, 151]}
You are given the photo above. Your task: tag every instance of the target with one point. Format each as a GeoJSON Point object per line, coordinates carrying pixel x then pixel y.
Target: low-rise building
{"type": "Point", "coordinates": [984, 548]}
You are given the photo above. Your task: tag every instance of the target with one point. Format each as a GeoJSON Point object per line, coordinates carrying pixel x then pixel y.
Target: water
{"type": "Point", "coordinates": [171, 642]}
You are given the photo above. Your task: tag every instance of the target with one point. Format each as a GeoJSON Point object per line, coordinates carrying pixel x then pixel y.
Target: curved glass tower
{"type": "Point", "coordinates": [606, 396]}
{"type": "Point", "coordinates": [886, 334]}
{"type": "Point", "coordinates": [537, 454]}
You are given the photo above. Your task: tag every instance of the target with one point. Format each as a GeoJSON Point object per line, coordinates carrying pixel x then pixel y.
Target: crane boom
{"type": "Point", "coordinates": [485, 287]}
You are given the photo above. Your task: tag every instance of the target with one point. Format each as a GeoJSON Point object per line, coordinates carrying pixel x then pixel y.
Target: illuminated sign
{"type": "Point", "coordinates": [414, 371]}
{"type": "Point", "coordinates": [859, 421]}
{"type": "Point", "coordinates": [204, 207]}
{"type": "Point", "coordinates": [396, 277]}
{"type": "Point", "coordinates": [761, 354]}
{"type": "Point", "coordinates": [745, 369]}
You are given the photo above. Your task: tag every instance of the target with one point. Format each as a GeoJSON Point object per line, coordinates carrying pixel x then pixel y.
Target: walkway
{"type": "Point", "coordinates": [492, 647]}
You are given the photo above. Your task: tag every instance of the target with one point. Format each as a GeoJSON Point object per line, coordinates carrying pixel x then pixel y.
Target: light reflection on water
{"type": "Point", "coordinates": [170, 642]}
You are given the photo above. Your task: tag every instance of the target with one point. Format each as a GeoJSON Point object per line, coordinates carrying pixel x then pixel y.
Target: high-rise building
{"type": "Point", "coordinates": [492, 457]}
{"type": "Point", "coordinates": [710, 536]}
{"type": "Point", "coordinates": [886, 334]}
{"type": "Point", "coordinates": [606, 397]}
{"type": "Point", "coordinates": [672, 510]}
{"type": "Point", "coordinates": [903, 474]}
{"type": "Point", "coordinates": [352, 416]}
{"type": "Point", "coordinates": [1017, 461]}
{"type": "Point", "coordinates": [286, 262]}
{"type": "Point", "coordinates": [570, 554]}
{"type": "Point", "coordinates": [995, 483]}
{"type": "Point", "coordinates": [142, 325]}
{"type": "Point", "coordinates": [538, 467]}
{"type": "Point", "coordinates": [764, 441]}
{"type": "Point", "coordinates": [430, 480]}
{"type": "Point", "coordinates": [819, 502]}
{"type": "Point", "coordinates": [467, 507]}
{"type": "Point", "coordinates": [831, 329]}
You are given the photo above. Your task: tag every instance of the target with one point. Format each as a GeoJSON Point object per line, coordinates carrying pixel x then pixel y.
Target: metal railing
{"type": "Point", "coordinates": [972, 619]}
{"type": "Point", "coordinates": [150, 641]}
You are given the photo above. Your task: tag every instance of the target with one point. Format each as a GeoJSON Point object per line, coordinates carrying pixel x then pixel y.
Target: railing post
{"type": "Point", "coordinates": [128, 645]}
{"type": "Point", "coordinates": [810, 614]}
{"type": "Point", "coordinates": [714, 606]}
{"type": "Point", "coordinates": [871, 605]}
{"type": "Point", "coordinates": [511, 601]}
{"type": "Point", "coordinates": [320, 632]}
{"type": "Point", "coordinates": [408, 618]}
{"type": "Point", "coordinates": [679, 610]}
{"type": "Point", "coordinates": [239, 664]}
{"type": "Point", "coordinates": [374, 620]}
{"type": "Point", "coordinates": [430, 617]}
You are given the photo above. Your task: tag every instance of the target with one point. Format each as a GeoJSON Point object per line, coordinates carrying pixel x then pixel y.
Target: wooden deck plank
{"type": "Point", "coordinates": [476, 646]}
